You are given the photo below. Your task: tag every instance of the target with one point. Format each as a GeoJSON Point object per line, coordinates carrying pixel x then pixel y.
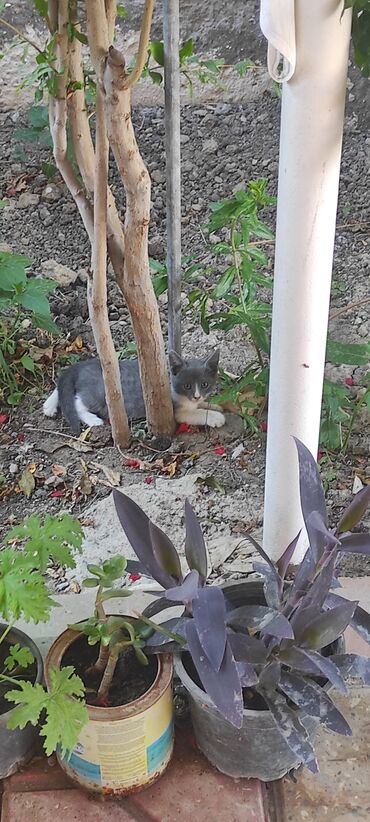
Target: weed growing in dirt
{"type": "Point", "coordinates": [23, 302]}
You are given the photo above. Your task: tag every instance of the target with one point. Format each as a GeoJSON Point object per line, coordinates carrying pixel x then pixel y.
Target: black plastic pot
{"type": "Point", "coordinates": [17, 746]}
{"type": "Point", "coordinates": [258, 749]}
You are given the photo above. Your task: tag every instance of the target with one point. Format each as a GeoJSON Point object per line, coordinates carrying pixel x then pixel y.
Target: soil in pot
{"type": "Point", "coordinates": [130, 681]}
{"type": "Point", "coordinates": [28, 674]}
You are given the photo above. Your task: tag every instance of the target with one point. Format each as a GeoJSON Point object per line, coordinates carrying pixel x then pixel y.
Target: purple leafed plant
{"type": "Point", "coordinates": [283, 650]}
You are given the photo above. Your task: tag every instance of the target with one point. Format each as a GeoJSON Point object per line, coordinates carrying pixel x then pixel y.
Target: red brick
{"type": "Point", "coordinates": [191, 790]}
{"type": "Point", "coordinates": [66, 805]}
{"type": "Point", "coordinates": [41, 774]}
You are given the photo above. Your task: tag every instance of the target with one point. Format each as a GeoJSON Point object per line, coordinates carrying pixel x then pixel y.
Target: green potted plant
{"type": "Point", "coordinates": [127, 741]}
{"type": "Point", "coordinates": [260, 656]}
{"type": "Point", "coordinates": [24, 594]}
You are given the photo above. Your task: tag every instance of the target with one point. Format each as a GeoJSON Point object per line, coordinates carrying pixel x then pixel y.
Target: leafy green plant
{"type": "Point", "coordinates": [21, 297]}
{"type": "Point", "coordinates": [116, 635]}
{"type": "Point", "coordinates": [234, 299]}
{"type": "Point", "coordinates": [37, 130]}
{"type": "Point", "coordinates": [23, 593]}
{"type": "Point", "coordinates": [281, 651]}
{"type": "Point", "coordinates": [360, 33]}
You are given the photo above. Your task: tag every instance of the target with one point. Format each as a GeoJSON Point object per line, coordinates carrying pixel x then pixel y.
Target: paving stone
{"type": "Point", "coordinates": [66, 805]}
{"type": "Point", "coordinates": [193, 791]}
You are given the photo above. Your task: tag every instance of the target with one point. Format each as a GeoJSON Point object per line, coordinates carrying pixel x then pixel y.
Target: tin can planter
{"type": "Point", "coordinates": [125, 748]}
{"type": "Point", "coordinates": [258, 749]}
{"type": "Point", "coordinates": [17, 746]}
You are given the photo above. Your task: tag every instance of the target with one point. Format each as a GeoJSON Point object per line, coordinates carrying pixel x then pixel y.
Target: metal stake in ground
{"type": "Point", "coordinates": [173, 168]}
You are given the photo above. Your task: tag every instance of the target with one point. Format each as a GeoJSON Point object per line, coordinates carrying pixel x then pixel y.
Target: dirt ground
{"type": "Point", "coordinates": [229, 135]}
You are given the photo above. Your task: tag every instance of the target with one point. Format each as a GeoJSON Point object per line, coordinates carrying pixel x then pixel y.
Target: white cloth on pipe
{"type": "Point", "coordinates": [277, 21]}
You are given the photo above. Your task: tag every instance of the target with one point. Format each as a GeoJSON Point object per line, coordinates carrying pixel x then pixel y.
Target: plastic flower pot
{"type": "Point", "coordinates": [258, 750]}
{"type": "Point", "coordinates": [125, 748]}
{"type": "Point", "coordinates": [17, 746]}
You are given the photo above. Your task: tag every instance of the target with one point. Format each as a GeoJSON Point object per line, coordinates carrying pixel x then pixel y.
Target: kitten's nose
{"type": "Point", "coordinates": [196, 393]}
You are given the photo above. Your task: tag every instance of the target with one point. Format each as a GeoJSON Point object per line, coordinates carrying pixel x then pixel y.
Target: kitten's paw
{"type": "Point", "coordinates": [215, 419]}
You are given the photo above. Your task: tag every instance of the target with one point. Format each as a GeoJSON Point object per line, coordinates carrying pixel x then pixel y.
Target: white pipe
{"type": "Point", "coordinates": [310, 149]}
{"type": "Point", "coordinates": [173, 168]}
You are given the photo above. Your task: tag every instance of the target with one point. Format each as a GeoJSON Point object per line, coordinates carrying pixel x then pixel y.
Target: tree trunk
{"type": "Point", "coordinates": [97, 286]}
{"type": "Point", "coordinates": [134, 276]}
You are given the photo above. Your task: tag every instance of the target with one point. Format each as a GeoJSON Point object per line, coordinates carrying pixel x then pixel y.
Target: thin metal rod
{"type": "Point", "coordinates": [173, 168]}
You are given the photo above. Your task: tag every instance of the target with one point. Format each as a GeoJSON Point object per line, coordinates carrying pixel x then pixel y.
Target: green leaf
{"type": "Point", "coordinates": [45, 323]}
{"type": "Point", "coordinates": [113, 593]}
{"type": "Point", "coordinates": [156, 77]}
{"type": "Point", "coordinates": [3, 203]}
{"type": "Point", "coordinates": [18, 657]}
{"type": "Point", "coordinates": [347, 353]}
{"type": "Point", "coordinates": [12, 270]}
{"type": "Point", "coordinates": [121, 11]}
{"type": "Point", "coordinates": [90, 582]}
{"type": "Point", "coordinates": [66, 715]}
{"type": "Point", "coordinates": [28, 363]}
{"type": "Point", "coordinates": [41, 6]}
{"type": "Point", "coordinates": [156, 48]}
{"type": "Point", "coordinates": [23, 591]}
{"type": "Point", "coordinates": [224, 284]}
{"type": "Point", "coordinates": [56, 538]}
{"type": "Point", "coordinates": [242, 67]}
{"type": "Point", "coordinates": [186, 51]}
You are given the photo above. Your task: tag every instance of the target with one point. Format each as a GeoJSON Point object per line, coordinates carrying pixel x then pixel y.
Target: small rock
{"type": "Point", "coordinates": [26, 200]}
{"type": "Point", "coordinates": [184, 138]}
{"type": "Point", "coordinates": [51, 193]}
{"type": "Point", "coordinates": [69, 208]}
{"type": "Point", "coordinates": [210, 145]}
{"type": "Point", "coordinates": [158, 176]}
{"type": "Point", "coordinates": [83, 275]}
{"type": "Point", "coordinates": [44, 213]}
{"type": "Point", "coordinates": [13, 468]}
{"type": "Point", "coordinates": [5, 248]}
{"type": "Point", "coordinates": [237, 451]}
{"type": "Point", "coordinates": [58, 272]}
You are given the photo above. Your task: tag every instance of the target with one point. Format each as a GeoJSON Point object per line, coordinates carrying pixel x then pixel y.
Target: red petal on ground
{"type": "Point", "coordinates": [131, 463]}
{"type": "Point", "coordinates": [3, 419]}
{"type": "Point", "coordinates": [134, 577]}
{"type": "Point", "coordinates": [57, 494]}
{"type": "Point", "coordinates": [183, 428]}
{"type": "Point", "coordinates": [263, 426]}
{"type": "Point", "coordinates": [21, 437]}
{"type": "Point", "coordinates": [148, 480]}
{"type": "Point", "coordinates": [349, 381]}
{"type": "Point", "coordinates": [220, 450]}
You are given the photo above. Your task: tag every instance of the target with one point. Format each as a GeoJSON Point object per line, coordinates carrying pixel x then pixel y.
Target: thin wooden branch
{"type": "Point", "coordinates": [111, 14]}
{"type": "Point", "coordinates": [97, 286]}
{"type": "Point", "coordinates": [136, 283]}
{"type": "Point", "coordinates": [82, 140]}
{"type": "Point", "coordinates": [142, 54]}
{"type": "Point", "coordinates": [58, 122]}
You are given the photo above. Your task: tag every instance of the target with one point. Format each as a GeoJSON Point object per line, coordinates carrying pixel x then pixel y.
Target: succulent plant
{"type": "Point", "coordinates": [281, 651]}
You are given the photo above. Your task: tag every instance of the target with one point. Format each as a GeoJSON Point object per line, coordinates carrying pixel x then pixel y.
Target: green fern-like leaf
{"type": "Point", "coordinates": [23, 592]}
{"type": "Point", "coordinates": [55, 539]}
{"type": "Point", "coordinates": [65, 713]}
{"type": "Point", "coordinates": [18, 656]}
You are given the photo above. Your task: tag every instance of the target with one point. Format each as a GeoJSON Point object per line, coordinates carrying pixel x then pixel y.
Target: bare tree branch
{"type": "Point", "coordinates": [58, 122]}
{"type": "Point", "coordinates": [97, 287]}
{"type": "Point", "coordinates": [136, 282]}
{"type": "Point", "coordinates": [142, 54]}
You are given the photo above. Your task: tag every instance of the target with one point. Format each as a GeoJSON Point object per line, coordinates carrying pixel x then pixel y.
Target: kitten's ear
{"type": "Point", "coordinates": [176, 362]}
{"type": "Point", "coordinates": [212, 361]}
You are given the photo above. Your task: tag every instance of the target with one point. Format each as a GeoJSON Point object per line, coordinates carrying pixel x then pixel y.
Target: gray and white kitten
{"type": "Point", "coordinates": [80, 393]}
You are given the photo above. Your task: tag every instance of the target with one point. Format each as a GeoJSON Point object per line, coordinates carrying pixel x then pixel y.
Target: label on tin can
{"type": "Point", "coordinates": [127, 751]}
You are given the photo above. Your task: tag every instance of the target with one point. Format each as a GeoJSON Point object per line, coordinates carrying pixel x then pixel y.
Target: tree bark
{"type": "Point", "coordinates": [134, 277]}
{"type": "Point", "coordinates": [97, 285]}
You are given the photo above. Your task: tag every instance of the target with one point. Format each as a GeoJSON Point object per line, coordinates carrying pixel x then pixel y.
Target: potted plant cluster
{"type": "Point", "coordinates": [107, 709]}
{"type": "Point", "coordinates": [127, 741]}
{"type": "Point", "coordinates": [24, 594]}
{"type": "Point", "coordinates": [259, 658]}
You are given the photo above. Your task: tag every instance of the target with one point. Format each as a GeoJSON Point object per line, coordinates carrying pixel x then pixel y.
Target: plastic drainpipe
{"type": "Point", "coordinates": [310, 148]}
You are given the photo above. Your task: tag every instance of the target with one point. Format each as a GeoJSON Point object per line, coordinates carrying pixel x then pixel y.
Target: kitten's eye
{"type": "Point", "coordinates": [204, 384]}
{"type": "Point", "coordinates": [187, 386]}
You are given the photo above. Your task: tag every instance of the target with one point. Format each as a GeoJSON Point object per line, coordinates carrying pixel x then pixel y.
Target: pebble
{"type": "Point", "coordinates": [210, 145]}
{"type": "Point", "coordinates": [44, 213]}
{"type": "Point", "coordinates": [158, 176]}
{"type": "Point", "coordinates": [51, 193]}
{"type": "Point", "coordinates": [26, 200]}
{"type": "Point", "coordinates": [13, 468]}
{"type": "Point", "coordinates": [60, 273]}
